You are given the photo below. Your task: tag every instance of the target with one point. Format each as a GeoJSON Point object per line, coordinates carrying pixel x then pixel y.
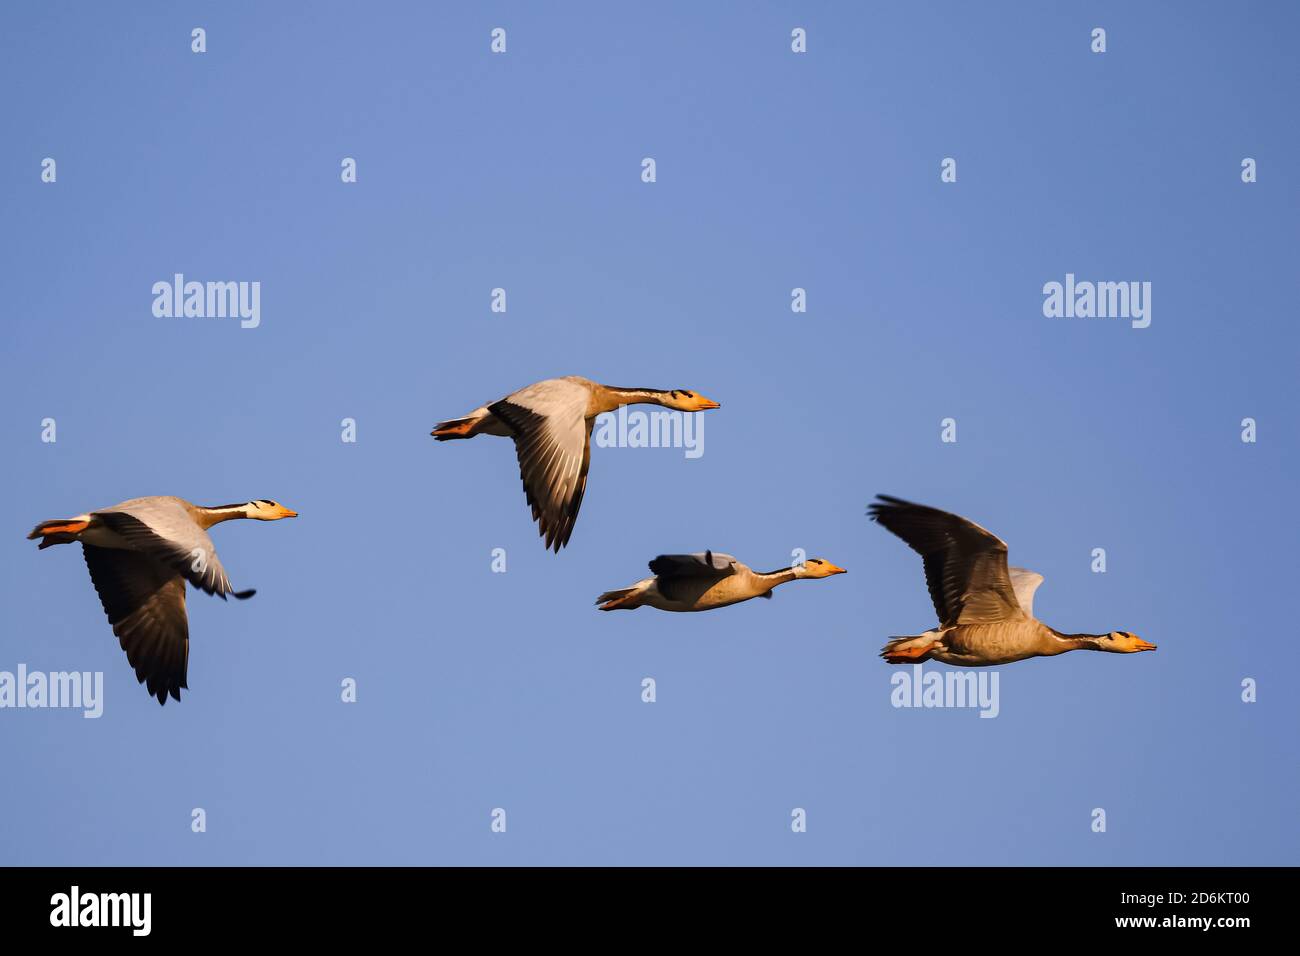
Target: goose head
{"type": "Point", "coordinates": [686, 400]}
{"type": "Point", "coordinates": [817, 568]}
{"type": "Point", "coordinates": [264, 509]}
{"type": "Point", "coordinates": [1123, 642]}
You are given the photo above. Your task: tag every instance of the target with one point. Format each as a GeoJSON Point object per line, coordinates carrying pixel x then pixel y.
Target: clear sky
{"type": "Point", "coordinates": [775, 170]}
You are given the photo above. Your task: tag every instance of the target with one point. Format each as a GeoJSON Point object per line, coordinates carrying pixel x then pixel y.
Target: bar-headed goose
{"type": "Point", "coordinates": [140, 554]}
{"type": "Point", "coordinates": [985, 608]}
{"type": "Point", "coordinates": [702, 582]}
{"type": "Point", "coordinates": [551, 422]}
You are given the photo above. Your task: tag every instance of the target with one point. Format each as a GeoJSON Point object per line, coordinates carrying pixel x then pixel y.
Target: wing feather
{"type": "Point", "coordinates": [1025, 583]}
{"type": "Point", "coordinates": [145, 603]}
{"type": "Point", "coordinates": [164, 530]}
{"type": "Point", "coordinates": [965, 565]}
{"type": "Point", "coordinates": [701, 564]}
{"type": "Point", "coordinates": [686, 576]}
{"type": "Point", "coordinates": [553, 444]}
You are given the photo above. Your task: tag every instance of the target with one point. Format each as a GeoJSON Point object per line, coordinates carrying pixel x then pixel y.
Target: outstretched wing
{"type": "Point", "coordinates": [1025, 583]}
{"type": "Point", "coordinates": [965, 565]}
{"type": "Point", "coordinates": [163, 530]}
{"type": "Point", "coordinates": [548, 422]}
{"type": "Point", "coordinates": [145, 603]}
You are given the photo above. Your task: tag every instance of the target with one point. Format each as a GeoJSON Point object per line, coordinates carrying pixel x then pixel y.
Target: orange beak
{"type": "Point", "coordinates": [836, 569]}
{"type": "Point", "coordinates": [1144, 646]}
{"type": "Point", "coordinates": [707, 403]}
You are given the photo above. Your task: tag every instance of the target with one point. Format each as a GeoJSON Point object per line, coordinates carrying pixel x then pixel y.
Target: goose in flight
{"type": "Point", "coordinates": [140, 554]}
{"type": "Point", "coordinates": [702, 582]}
{"type": "Point", "coordinates": [551, 422]}
{"type": "Point", "coordinates": [986, 610]}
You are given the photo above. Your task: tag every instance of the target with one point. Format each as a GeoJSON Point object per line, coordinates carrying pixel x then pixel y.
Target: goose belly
{"type": "Point", "coordinates": [730, 590]}
{"type": "Point", "coordinates": [977, 645]}
{"type": "Point", "coordinates": [705, 598]}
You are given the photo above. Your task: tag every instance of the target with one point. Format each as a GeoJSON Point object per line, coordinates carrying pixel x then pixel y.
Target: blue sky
{"type": "Point", "coordinates": [775, 170]}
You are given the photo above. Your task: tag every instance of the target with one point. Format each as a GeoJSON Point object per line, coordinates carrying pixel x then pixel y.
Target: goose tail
{"type": "Point", "coordinates": [454, 428]}
{"type": "Point", "coordinates": [58, 531]}
{"type": "Point", "coordinates": [622, 599]}
{"type": "Point", "coordinates": [908, 649]}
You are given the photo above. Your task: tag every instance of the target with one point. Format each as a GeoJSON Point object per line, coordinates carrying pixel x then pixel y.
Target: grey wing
{"type": "Point", "coordinates": [145, 603]}
{"type": "Point", "coordinates": [162, 529]}
{"type": "Point", "coordinates": [711, 563]}
{"type": "Point", "coordinates": [686, 576]}
{"type": "Point", "coordinates": [548, 422]}
{"type": "Point", "coordinates": [965, 565]}
{"type": "Point", "coordinates": [1025, 583]}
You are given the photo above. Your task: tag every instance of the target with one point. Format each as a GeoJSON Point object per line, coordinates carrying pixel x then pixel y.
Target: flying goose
{"type": "Point", "coordinates": [986, 610]}
{"type": "Point", "coordinates": [702, 582]}
{"type": "Point", "coordinates": [140, 554]}
{"type": "Point", "coordinates": [550, 422]}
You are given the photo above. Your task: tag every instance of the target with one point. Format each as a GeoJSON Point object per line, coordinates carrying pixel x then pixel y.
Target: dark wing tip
{"type": "Point", "coordinates": [885, 503]}
{"type": "Point", "coordinates": [887, 506]}
{"type": "Point", "coordinates": [243, 595]}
